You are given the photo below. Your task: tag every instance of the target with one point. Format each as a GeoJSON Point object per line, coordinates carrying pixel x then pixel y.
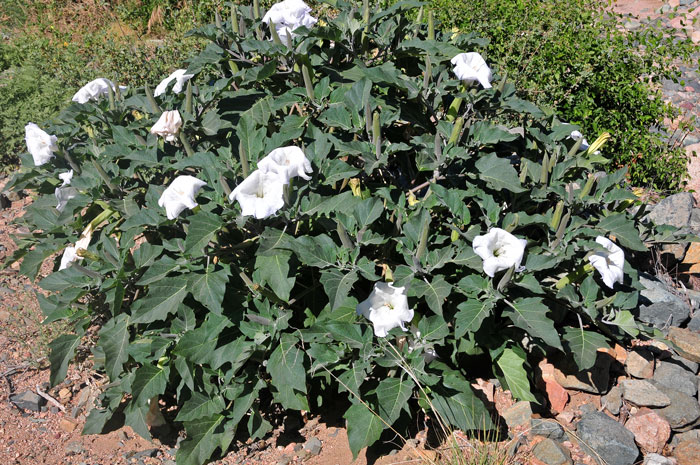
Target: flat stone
{"type": "Point", "coordinates": [676, 377]}
{"type": "Point", "coordinates": [687, 342]}
{"type": "Point", "coordinates": [642, 393]}
{"type": "Point", "coordinates": [687, 453]}
{"type": "Point", "coordinates": [694, 323]}
{"type": "Point", "coordinates": [612, 401]}
{"type": "Point", "coordinates": [313, 446]}
{"type": "Point", "coordinates": [656, 459]}
{"type": "Point", "coordinates": [640, 364]}
{"type": "Point", "coordinates": [67, 425]}
{"type": "Point", "coordinates": [74, 448]}
{"type": "Point", "coordinates": [518, 414]}
{"type": "Point", "coordinates": [551, 453]}
{"type": "Point", "coordinates": [663, 315]}
{"type": "Point", "coordinates": [28, 400]}
{"type": "Point", "coordinates": [656, 291]}
{"type": "Point", "coordinates": [547, 428]}
{"type": "Point", "coordinates": [600, 434]}
{"type": "Point", "coordinates": [684, 410]}
{"type": "Point", "coordinates": [674, 210]}
{"type": "Point", "coordinates": [145, 453]}
{"type": "Point", "coordinates": [651, 432]}
{"type": "Point", "coordinates": [594, 380]}
{"type": "Point", "coordinates": [689, 365]}
{"type": "Point", "coordinates": [692, 435]}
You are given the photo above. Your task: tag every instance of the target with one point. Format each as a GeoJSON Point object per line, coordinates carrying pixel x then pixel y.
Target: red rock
{"type": "Point", "coordinates": [557, 395]}
{"type": "Point", "coordinates": [687, 105]}
{"type": "Point", "coordinates": [650, 431]}
{"type": "Point", "coordinates": [687, 453]}
{"type": "Point", "coordinates": [487, 387]}
{"type": "Point", "coordinates": [67, 425]}
{"type": "Point", "coordinates": [640, 363]}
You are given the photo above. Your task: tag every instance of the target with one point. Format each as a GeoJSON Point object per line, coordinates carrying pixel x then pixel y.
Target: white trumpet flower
{"type": "Point", "coordinates": [499, 249]}
{"type": "Point", "coordinates": [386, 307]}
{"type": "Point", "coordinates": [287, 162]}
{"type": "Point", "coordinates": [39, 144]}
{"type": "Point", "coordinates": [180, 195]}
{"type": "Point", "coordinates": [471, 67]}
{"type": "Point", "coordinates": [609, 263]}
{"type": "Point", "coordinates": [260, 194]}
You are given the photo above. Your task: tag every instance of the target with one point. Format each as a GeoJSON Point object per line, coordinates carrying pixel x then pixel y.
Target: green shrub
{"type": "Point", "coordinates": [572, 56]}
{"type": "Point", "coordinates": [226, 316]}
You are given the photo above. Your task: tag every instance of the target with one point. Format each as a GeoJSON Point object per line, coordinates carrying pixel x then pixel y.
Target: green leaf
{"type": "Point", "coordinates": [434, 292]}
{"type": "Point", "coordinates": [209, 288]}
{"type": "Point", "coordinates": [149, 381]}
{"type": "Point", "coordinates": [498, 173]}
{"type": "Point", "coordinates": [392, 396]}
{"type": "Point", "coordinates": [198, 345]}
{"type": "Point", "coordinates": [319, 251]}
{"type": "Point", "coordinates": [625, 321]}
{"type": "Point", "coordinates": [433, 328]}
{"type": "Point", "coordinates": [274, 270]}
{"type": "Point", "coordinates": [512, 366]}
{"type": "Point", "coordinates": [286, 368]}
{"type": "Point", "coordinates": [583, 345]}
{"type": "Point", "coordinates": [364, 428]}
{"type": "Point", "coordinates": [163, 299]}
{"type": "Point", "coordinates": [199, 406]}
{"type": "Point", "coordinates": [530, 314]}
{"type": "Point", "coordinates": [460, 407]}
{"type": "Point", "coordinates": [203, 227]}
{"type": "Point", "coordinates": [485, 133]}
{"type": "Point", "coordinates": [337, 285]}
{"type": "Point", "coordinates": [62, 350]}
{"type": "Point", "coordinates": [114, 341]}
{"type": "Point", "coordinates": [368, 211]}
{"type": "Point", "coordinates": [158, 270]}
{"type": "Point", "coordinates": [135, 417]}
{"type": "Point", "coordinates": [204, 436]}
{"type": "Point", "coordinates": [623, 229]}
{"type": "Point", "coordinates": [471, 314]}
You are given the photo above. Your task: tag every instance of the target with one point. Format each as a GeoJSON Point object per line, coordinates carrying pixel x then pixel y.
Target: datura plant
{"type": "Point", "coordinates": [345, 218]}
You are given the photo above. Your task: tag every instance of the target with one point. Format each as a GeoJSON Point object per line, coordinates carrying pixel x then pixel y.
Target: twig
{"type": "Point", "coordinates": [50, 399]}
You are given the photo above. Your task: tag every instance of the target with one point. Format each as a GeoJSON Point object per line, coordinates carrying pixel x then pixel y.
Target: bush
{"type": "Point", "coordinates": [571, 55]}
{"type": "Point", "coordinates": [226, 316]}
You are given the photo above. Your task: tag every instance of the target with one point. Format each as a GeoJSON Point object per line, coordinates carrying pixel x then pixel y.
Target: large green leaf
{"type": "Point", "coordinates": [530, 314]}
{"type": "Point", "coordinates": [319, 251]}
{"type": "Point", "coordinates": [204, 436]}
{"type": "Point", "coordinates": [460, 406]}
{"type": "Point", "coordinates": [511, 364]}
{"type": "Point", "coordinates": [286, 368]}
{"type": "Point", "coordinates": [62, 350]}
{"type": "Point", "coordinates": [498, 173]}
{"type": "Point", "coordinates": [274, 270]}
{"type": "Point", "coordinates": [149, 381]}
{"type": "Point", "coordinates": [337, 285]}
{"type": "Point", "coordinates": [470, 316]}
{"type": "Point", "coordinates": [163, 299]}
{"type": "Point", "coordinates": [201, 405]}
{"type": "Point", "coordinates": [209, 287]}
{"type": "Point", "coordinates": [583, 345]}
{"type": "Point", "coordinates": [203, 226]}
{"type": "Point", "coordinates": [198, 345]}
{"type": "Point", "coordinates": [623, 229]}
{"type": "Point", "coordinates": [434, 292]}
{"type": "Point", "coordinates": [392, 397]}
{"type": "Point", "coordinates": [364, 427]}
{"type": "Point", "coordinates": [114, 341]}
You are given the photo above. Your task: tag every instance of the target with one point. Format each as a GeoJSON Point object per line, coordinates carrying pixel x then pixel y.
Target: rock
{"type": "Point", "coordinates": [656, 291]}
{"type": "Point", "coordinates": [689, 365]}
{"type": "Point", "coordinates": [687, 453]}
{"type": "Point", "coordinates": [74, 448]}
{"type": "Point", "coordinates": [687, 342]}
{"type": "Point", "coordinates": [284, 460]}
{"type": "Point", "coordinates": [643, 393]}
{"type": "Point", "coordinates": [145, 453]}
{"type": "Point", "coordinates": [651, 432]}
{"type": "Point", "coordinates": [631, 25]}
{"type": "Point", "coordinates": [692, 435]}
{"type": "Point", "coordinates": [694, 323]}
{"type": "Point", "coordinates": [683, 410]}
{"type": "Point", "coordinates": [313, 447]}
{"type": "Point", "coordinates": [28, 400]}
{"type": "Point", "coordinates": [67, 425]}
{"type": "Point", "coordinates": [640, 364]}
{"type": "Point", "coordinates": [173, 462]}
{"type": "Point", "coordinates": [663, 315]}
{"type": "Point", "coordinates": [676, 377]}
{"type": "Point", "coordinates": [517, 414]}
{"type": "Point", "coordinates": [674, 210]}
{"type": "Point", "coordinates": [556, 394]}
{"type": "Point", "coordinates": [600, 434]}
{"type": "Point", "coordinates": [551, 453]}
{"type": "Point", "coordinates": [594, 380]}
{"type": "Point", "coordinates": [612, 401]}
{"type": "Point", "coordinates": [64, 394]}
{"type": "Point", "coordinates": [547, 428]}
{"type": "Point", "coordinates": [656, 459]}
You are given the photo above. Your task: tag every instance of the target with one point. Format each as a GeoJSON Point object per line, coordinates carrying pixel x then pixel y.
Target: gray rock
{"type": "Point", "coordinates": [656, 459]}
{"type": "Point", "coordinates": [600, 434]}
{"type": "Point", "coordinates": [665, 8]}
{"type": "Point", "coordinates": [688, 364]}
{"type": "Point", "coordinates": [674, 210]}
{"type": "Point", "coordinates": [74, 448]}
{"type": "Point", "coordinates": [519, 413]}
{"type": "Point", "coordinates": [547, 428]}
{"type": "Point", "coordinates": [656, 291]}
{"type": "Point", "coordinates": [169, 462]}
{"type": "Point", "coordinates": [632, 25]}
{"type": "Point", "coordinates": [662, 315]}
{"type": "Point", "coordinates": [551, 453]}
{"type": "Point", "coordinates": [594, 380]}
{"type": "Point", "coordinates": [642, 393]}
{"type": "Point", "coordinates": [313, 446]}
{"type": "Point", "coordinates": [284, 460]}
{"type": "Point", "coordinates": [145, 453]}
{"type": "Point", "coordinates": [683, 410]}
{"type": "Point", "coordinates": [676, 377]}
{"type": "Point", "coordinates": [692, 435]}
{"type": "Point", "coordinates": [612, 401]}
{"type": "Point", "coordinates": [687, 343]}
{"type": "Point", "coordinates": [28, 400]}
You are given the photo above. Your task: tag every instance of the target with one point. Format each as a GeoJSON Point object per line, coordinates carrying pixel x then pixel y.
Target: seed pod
{"type": "Point", "coordinates": [151, 101]}
{"type": "Point", "coordinates": [234, 19]}
{"type": "Point", "coordinates": [523, 171]}
{"type": "Point", "coordinates": [275, 37]}
{"type": "Point", "coordinates": [256, 9]}
{"type": "Point", "coordinates": [307, 81]}
{"type": "Point", "coordinates": [431, 25]}
{"type": "Point", "coordinates": [243, 159]}
{"type": "Point", "coordinates": [544, 173]}
{"type": "Point", "coordinates": [456, 131]}
{"type": "Point", "coordinates": [217, 20]}
{"type": "Point", "coordinates": [185, 144]}
{"type": "Point", "coordinates": [188, 99]}
{"type": "Point", "coordinates": [587, 188]}
{"type": "Point", "coordinates": [574, 150]}
{"type": "Point", "coordinates": [376, 134]}
{"type": "Point", "coordinates": [110, 96]}
{"type": "Point", "coordinates": [556, 217]}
